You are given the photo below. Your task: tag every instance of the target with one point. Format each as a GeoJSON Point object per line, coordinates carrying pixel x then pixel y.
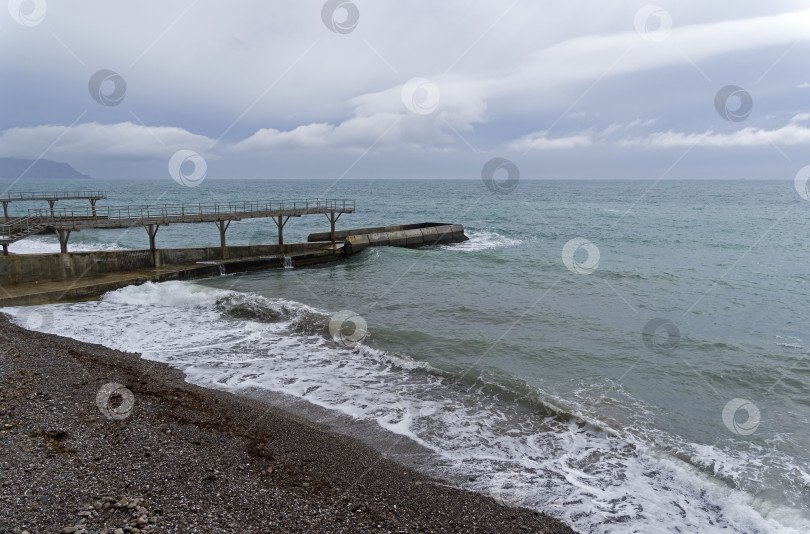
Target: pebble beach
{"type": "Point", "coordinates": [100, 441]}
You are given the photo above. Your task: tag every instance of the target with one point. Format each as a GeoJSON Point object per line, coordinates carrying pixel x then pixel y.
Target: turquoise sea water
{"type": "Point", "coordinates": [652, 376]}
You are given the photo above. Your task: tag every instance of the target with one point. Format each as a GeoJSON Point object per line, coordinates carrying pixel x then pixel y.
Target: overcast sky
{"type": "Point", "coordinates": [420, 89]}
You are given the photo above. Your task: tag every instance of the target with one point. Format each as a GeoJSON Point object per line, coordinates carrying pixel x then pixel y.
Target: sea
{"type": "Point", "coordinates": [626, 356]}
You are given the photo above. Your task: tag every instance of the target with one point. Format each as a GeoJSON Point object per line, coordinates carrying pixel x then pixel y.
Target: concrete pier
{"type": "Point", "coordinates": [28, 279]}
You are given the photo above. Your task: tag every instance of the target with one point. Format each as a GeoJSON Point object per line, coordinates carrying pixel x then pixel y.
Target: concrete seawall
{"type": "Point", "coordinates": [28, 279]}
{"type": "Point", "coordinates": [100, 278]}
{"type": "Point", "coordinates": [23, 268]}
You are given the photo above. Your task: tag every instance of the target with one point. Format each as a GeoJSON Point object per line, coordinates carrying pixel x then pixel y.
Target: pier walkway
{"type": "Point", "coordinates": [50, 197]}
{"type": "Point", "coordinates": [151, 217]}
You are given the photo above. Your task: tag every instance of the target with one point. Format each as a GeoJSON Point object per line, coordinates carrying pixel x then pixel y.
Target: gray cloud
{"type": "Point", "coordinates": [262, 78]}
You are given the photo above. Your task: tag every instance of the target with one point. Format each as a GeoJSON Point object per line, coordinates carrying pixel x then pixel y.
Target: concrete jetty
{"type": "Point", "coordinates": [28, 279]}
{"type": "Point", "coordinates": [402, 235]}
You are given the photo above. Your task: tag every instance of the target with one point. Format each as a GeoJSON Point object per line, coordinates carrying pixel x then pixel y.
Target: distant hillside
{"type": "Point", "coordinates": [42, 169]}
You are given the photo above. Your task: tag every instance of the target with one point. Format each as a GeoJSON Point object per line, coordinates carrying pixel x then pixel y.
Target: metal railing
{"type": "Point", "coordinates": [194, 212]}
{"type": "Point", "coordinates": [124, 216]}
{"type": "Point", "coordinates": [21, 227]}
{"type": "Point", "coordinates": [51, 195]}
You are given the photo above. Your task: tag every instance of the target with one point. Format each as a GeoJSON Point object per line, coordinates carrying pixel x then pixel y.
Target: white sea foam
{"type": "Point", "coordinates": [50, 245]}
{"type": "Point", "coordinates": [166, 295]}
{"type": "Point", "coordinates": [484, 240]}
{"type": "Point", "coordinates": [789, 342]}
{"type": "Point", "coordinates": [596, 480]}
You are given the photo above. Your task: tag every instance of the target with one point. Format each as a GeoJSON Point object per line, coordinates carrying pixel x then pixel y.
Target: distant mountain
{"type": "Point", "coordinates": [41, 169]}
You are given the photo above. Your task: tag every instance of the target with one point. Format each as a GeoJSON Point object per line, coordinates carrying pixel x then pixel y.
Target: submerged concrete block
{"type": "Point", "coordinates": [444, 234]}
{"type": "Point", "coordinates": [429, 235]}
{"type": "Point", "coordinates": [378, 239]}
{"type": "Point", "coordinates": [414, 238]}
{"type": "Point", "coordinates": [399, 238]}
{"type": "Point", "coordinates": [354, 244]}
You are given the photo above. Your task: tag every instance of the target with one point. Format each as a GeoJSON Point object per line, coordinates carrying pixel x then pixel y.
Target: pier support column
{"type": "Point", "coordinates": [280, 222]}
{"type": "Point", "coordinates": [222, 226]}
{"type": "Point", "coordinates": [332, 220]}
{"type": "Point", "coordinates": [93, 206]}
{"type": "Point", "coordinates": [152, 229]}
{"type": "Point", "coordinates": [63, 235]}
{"type": "Point", "coordinates": [5, 209]}
{"type": "Point", "coordinates": [51, 202]}
{"type": "Point", "coordinates": [5, 249]}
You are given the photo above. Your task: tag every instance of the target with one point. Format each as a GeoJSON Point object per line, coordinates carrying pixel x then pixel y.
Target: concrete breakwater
{"type": "Point", "coordinates": [27, 279]}
{"type": "Point", "coordinates": [403, 235]}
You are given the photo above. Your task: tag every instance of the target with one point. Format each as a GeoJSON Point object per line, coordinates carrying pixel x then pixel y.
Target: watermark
{"type": "Point", "coordinates": [332, 20]}
{"type": "Point", "coordinates": [266, 236]}
{"type": "Point", "coordinates": [425, 409]}
{"type": "Point", "coordinates": [661, 336]}
{"type": "Point", "coordinates": [348, 328]}
{"type": "Point", "coordinates": [735, 424]}
{"type": "Point", "coordinates": [188, 168]}
{"type": "Point", "coordinates": [802, 177]}
{"type": "Point", "coordinates": [115, 401]}
{"type": "Point", "coordinates": [733, 103]}
{"type": "Point", "coordinates": [27, 12]}
{"type": "Point", "coordinates": [37, 319]}
{"type": "Point", "coordinates": [571, 253]}
{"type": "Point", "coordinates": [107, 87]}
{"type": "Point", "coordinates": [508, 489]}
{"type": "Point", "coordinates": [653, 23]}
{"type": "Point", "coordinates": [420, 96]}
{"type": "Point", "coordinates": [506, 185]}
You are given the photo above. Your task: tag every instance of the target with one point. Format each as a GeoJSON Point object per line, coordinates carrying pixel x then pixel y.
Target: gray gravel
{"type": "Point", "coordinates": [186, 459]}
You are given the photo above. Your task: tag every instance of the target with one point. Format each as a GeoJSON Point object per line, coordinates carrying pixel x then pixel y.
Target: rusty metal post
{"type": "Point", "coordinates": [152, 229]}
{"type": "Point", "coordinates": [63, 235]}
{"type": "Point", "coordinates": [332, 221]}
{"type": "Point", "coordinates": [222, 226]}
{"type": "Point", "coordinates": [280, 222]}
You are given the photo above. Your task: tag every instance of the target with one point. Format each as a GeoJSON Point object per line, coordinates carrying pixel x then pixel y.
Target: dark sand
{"type": "Point", "coordinates": [200, 460]}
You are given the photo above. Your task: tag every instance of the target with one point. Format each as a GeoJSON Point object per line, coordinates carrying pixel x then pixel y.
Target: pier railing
{"type": "Point", "coordinates": [16, 229]}
{"type": "Point", "coordinates": [107, 216]}
{"type": "Point", "coordinates": [52, 195]}
{"type": "Point", "coordinates": [151, 217]}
